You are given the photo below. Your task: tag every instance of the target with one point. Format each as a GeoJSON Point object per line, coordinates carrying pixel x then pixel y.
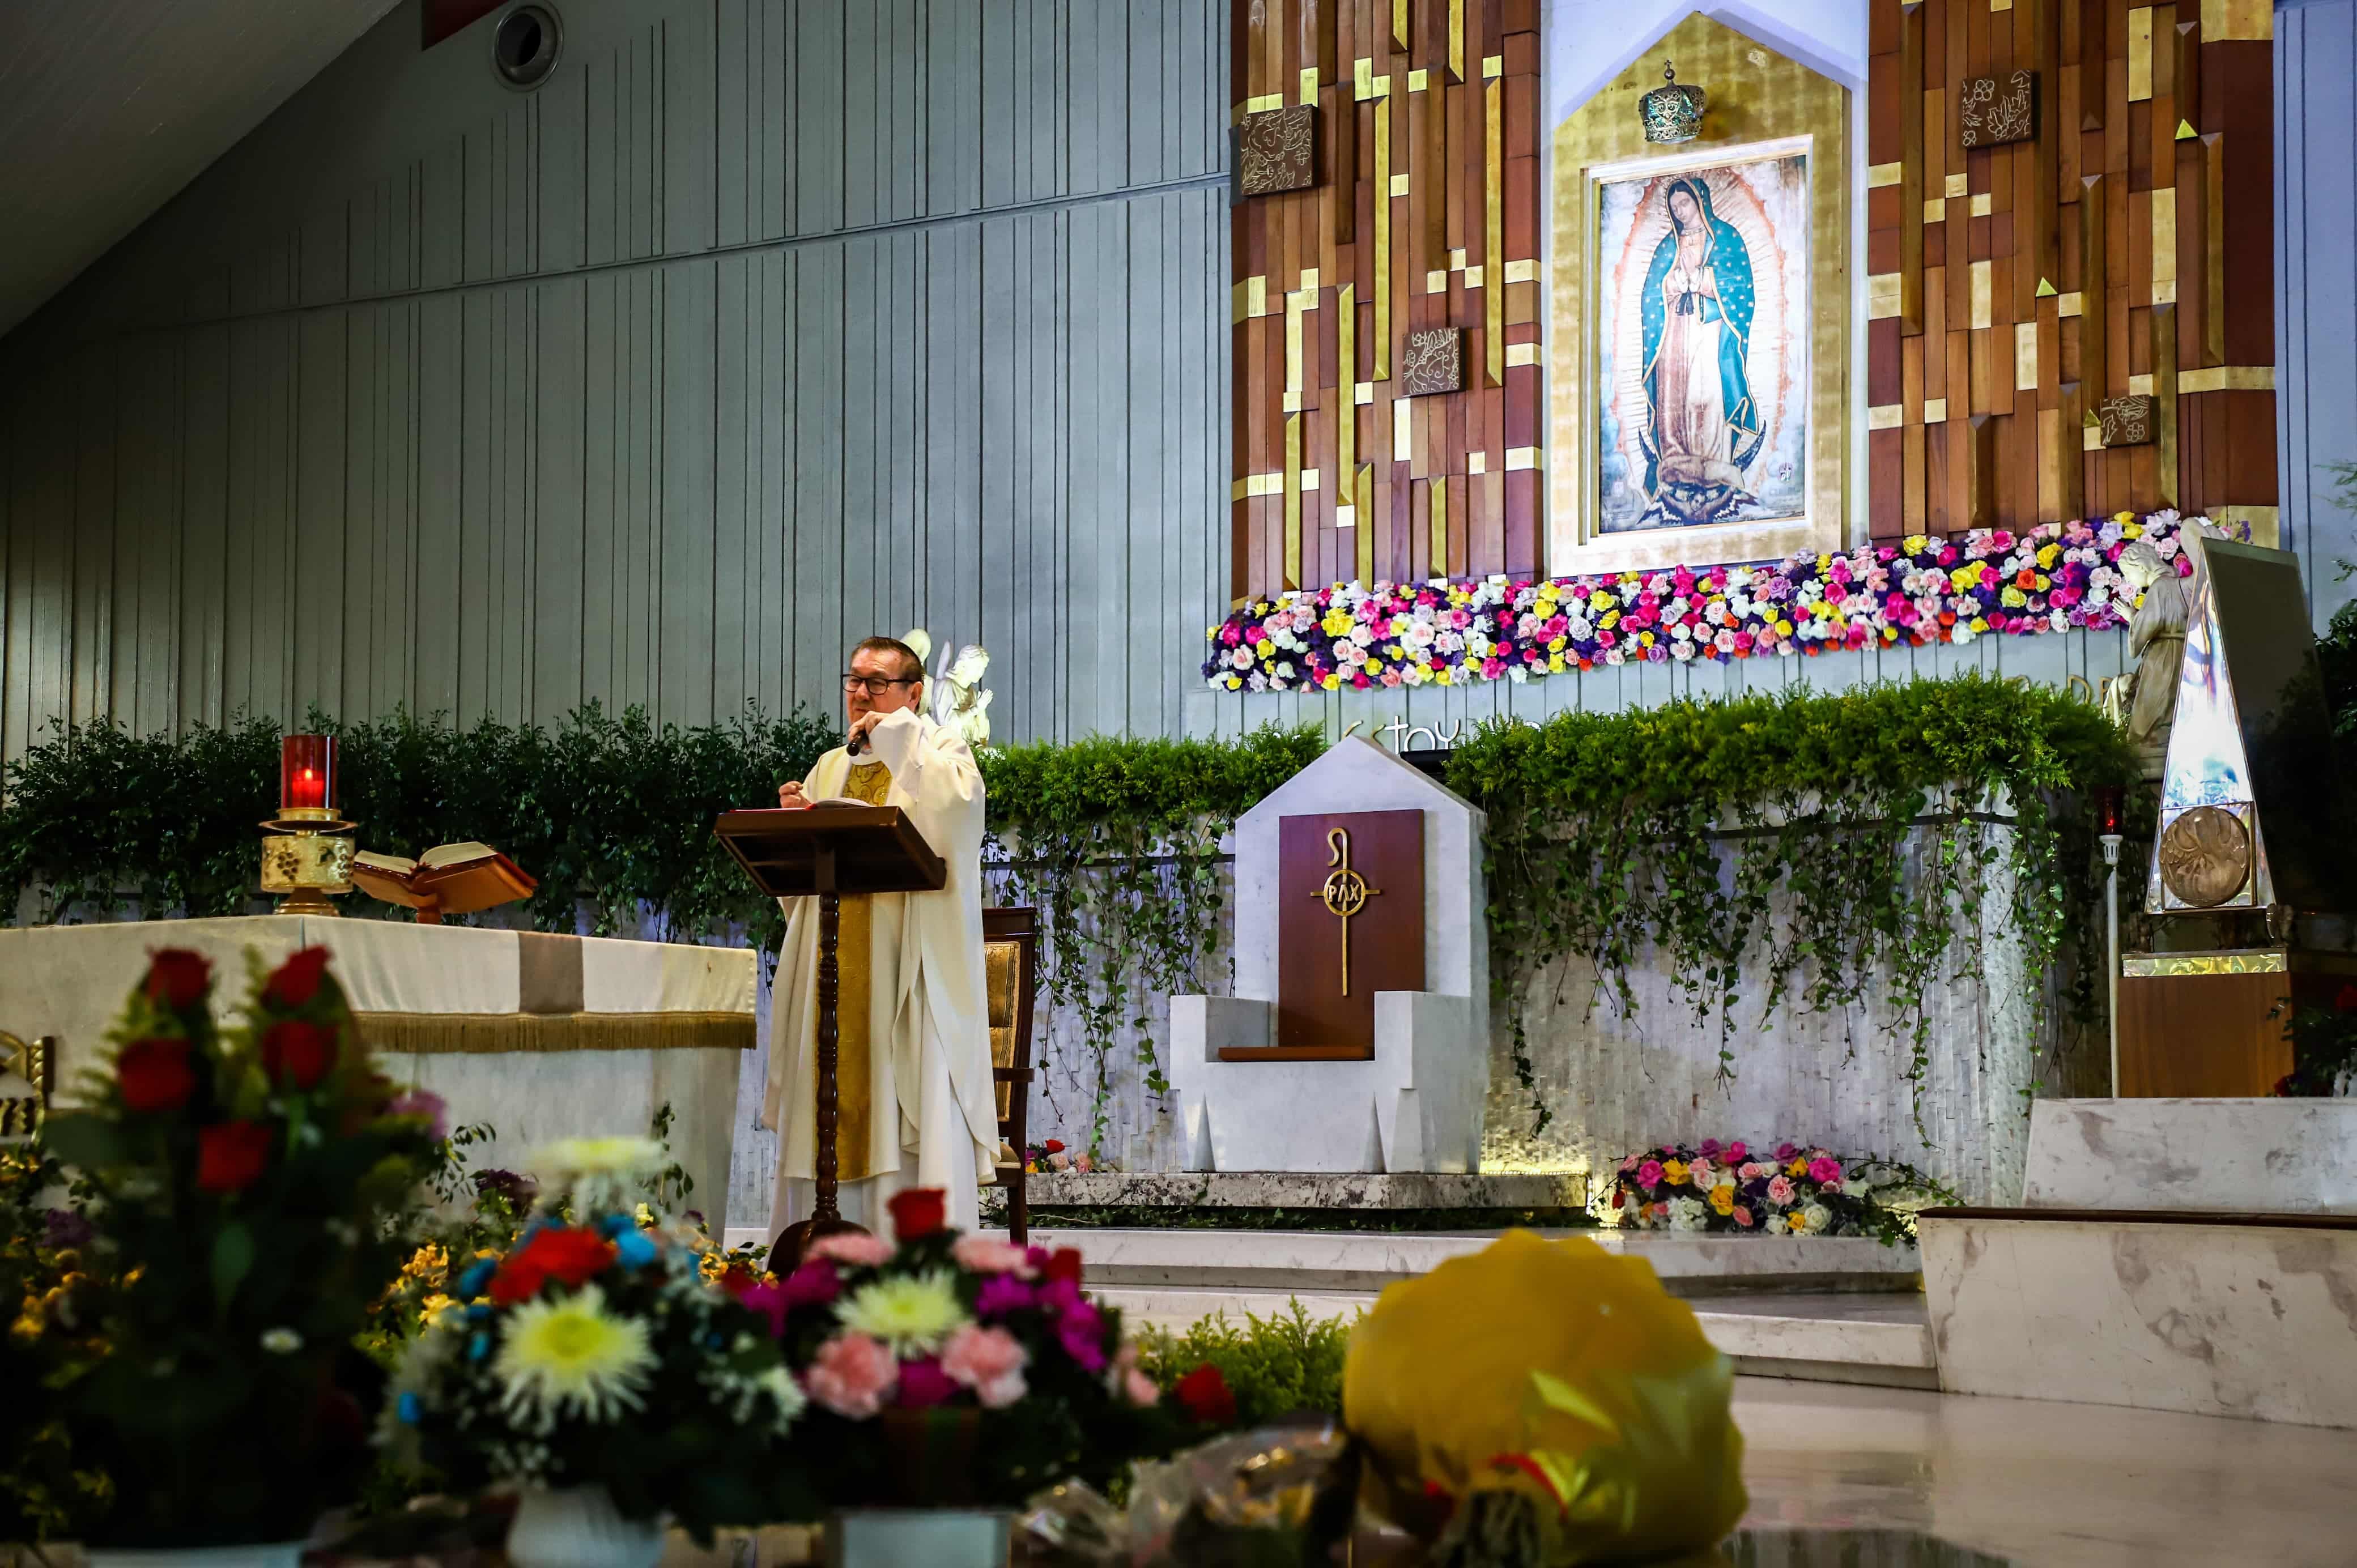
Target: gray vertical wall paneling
{"type": "Point", "coordinates": [604, 505]}
{"type": "Point", "coordinates": [735, 410]}
{"type": "Point", "coordinates": [2316, 285]}
{"type": "Point", "coordinates": [93, 532]}
{"type": "Point", "coordinates": [559, 651]}
{"type": "Point", "coordinates": [319, 531]}
{"type": "Point", "coordinates": [534, 492]}
{"type": "Point", "coordinates": [814, 602]}
{"type": "Point", "coordinates": [204, 523]}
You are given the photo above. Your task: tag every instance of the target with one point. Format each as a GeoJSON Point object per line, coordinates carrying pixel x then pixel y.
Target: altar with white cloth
{"type": "Point", "coordinates": [540, 1035]}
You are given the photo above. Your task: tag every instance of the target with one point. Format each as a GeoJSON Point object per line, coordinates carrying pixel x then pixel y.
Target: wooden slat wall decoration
{"type": "Point", "coordinates": [2126, 250]}
{"type": "Point", "coordinates": [1425, 216]}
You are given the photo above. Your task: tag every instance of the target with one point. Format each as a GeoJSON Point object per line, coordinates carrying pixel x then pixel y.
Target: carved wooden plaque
{"type": "Point", "coordinates": [1278, 150]}
{"type": "Point", "coordinates": [1991, 110]}
{"type": "Point", "coordinates": [1435, 362]}
{"type": "Point", "coordinates": [2126, 420]}
{"type": "Point", "coordinates": [1349, 923]}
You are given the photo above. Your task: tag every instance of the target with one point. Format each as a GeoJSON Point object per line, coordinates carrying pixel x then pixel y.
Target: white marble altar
{"type": "Point", "coordinates": [1418, 1105]}
{"type": "Point", "coordinates": [2283, 1156]}
{"type": "Point", "coordinates": [539, 1035]}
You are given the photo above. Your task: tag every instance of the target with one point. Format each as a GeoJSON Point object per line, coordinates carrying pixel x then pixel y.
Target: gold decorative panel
{"type": "Point", "coordinates": [1790, 125]}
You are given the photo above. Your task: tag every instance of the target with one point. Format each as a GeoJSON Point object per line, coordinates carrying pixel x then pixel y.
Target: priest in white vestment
{"type": "Point", "coordinates": [917, 1103]}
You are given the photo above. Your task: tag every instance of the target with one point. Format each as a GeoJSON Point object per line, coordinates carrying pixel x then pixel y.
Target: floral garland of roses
{"type": "Point", "coordinates": [2053, 577]}
{"type": "Point", "coordinates": [1791, 1190]}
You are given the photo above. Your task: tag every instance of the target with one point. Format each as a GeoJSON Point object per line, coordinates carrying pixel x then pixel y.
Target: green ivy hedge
{"type": "Point", "coordinates": [1672, 826]}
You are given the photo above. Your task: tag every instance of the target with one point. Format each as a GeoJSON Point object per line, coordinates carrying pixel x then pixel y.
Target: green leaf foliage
{"type": "Point", "coordinates": [1117, 843]}
{"type": "Point", "coordinates": [1275, 1366]}
{"type": "Point", "coordinates": [1863, 816]}
{"type": "Point", "coordinates": [1762, 842]}
{"type": "Point", "coordinates": [613, 814]}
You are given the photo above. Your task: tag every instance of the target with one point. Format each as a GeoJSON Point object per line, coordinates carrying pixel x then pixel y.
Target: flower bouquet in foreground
{"type": "Point", "coordinates": [595, 1367]}
{"type": "Point", "coordinates": [241, 1185]}
{"type": "Point", "coordinates": [1791, 1190]}
{"type": "Point", "coordinates": [957, 1370]}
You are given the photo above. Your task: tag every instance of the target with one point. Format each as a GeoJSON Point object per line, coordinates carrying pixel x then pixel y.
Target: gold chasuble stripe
{"type": "Point", "coordinates": [855, 1086]}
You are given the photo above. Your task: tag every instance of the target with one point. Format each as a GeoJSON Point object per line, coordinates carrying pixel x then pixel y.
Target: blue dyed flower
{"type": "Point", "coordinates": [479, 1346]}
{"type": "Point", "coordinates": [635, 1250]}
{"type": "Point", "coordinates": [477, 1279]}
{"type": "Point", "coordinates": [411, 1408]}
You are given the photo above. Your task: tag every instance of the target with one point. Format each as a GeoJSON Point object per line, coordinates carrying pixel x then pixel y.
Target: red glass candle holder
{"type": "Point", "coordinates": [2111, 806]}
{"type": "Point", "coordinates": [307, 776]}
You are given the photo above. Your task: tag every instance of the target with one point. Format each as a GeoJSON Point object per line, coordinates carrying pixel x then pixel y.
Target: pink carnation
{"type": "Point", "coordinates": [980, 1255]}
{"type": "Point", "coordinates": [852, 1375]}
{"type": "Point", "coordinates": [852, 1247]}
{"type": "Point", "coordinates": [990, 1362]}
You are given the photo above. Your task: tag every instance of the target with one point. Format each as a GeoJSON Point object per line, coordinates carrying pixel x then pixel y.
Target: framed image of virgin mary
{"type": "Point", "coordinates": [1701, 402]}
{"type": "Point", "coordinates": [1702, 344]}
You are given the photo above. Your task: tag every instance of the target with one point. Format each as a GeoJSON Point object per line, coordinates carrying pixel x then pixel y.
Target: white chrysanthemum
{"type": "Point", "coordinates": [598, 1156]}
{"type": "Point", "coordinates": [570, 1357]}
{"type": "Point", "coordinates": [910, 1313]}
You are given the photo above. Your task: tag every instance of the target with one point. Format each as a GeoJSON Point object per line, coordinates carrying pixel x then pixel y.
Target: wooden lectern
{"type": "Point", "coordinates": [828, 851]}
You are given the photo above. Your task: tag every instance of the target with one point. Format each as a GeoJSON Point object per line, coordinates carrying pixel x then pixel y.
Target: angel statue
{"type": "Point", "coordinates": [960, 705]}
{"type": "Point", "coordinates": [2144, 700]}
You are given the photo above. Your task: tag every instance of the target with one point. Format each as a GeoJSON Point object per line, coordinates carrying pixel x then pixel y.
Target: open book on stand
{"type": "Point", "coordinates": [449, 879]}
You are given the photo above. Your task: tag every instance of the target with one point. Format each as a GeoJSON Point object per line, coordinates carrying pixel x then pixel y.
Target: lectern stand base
{"type": "Point", "coordinates": [786, 1253]}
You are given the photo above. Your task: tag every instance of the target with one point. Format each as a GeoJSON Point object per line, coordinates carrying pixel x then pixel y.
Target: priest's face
{"type": "Point", "coordinates": [873, 668]}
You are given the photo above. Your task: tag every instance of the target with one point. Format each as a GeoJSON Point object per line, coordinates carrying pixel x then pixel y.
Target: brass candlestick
{"type": "Point", "coordinates": [307, 858]}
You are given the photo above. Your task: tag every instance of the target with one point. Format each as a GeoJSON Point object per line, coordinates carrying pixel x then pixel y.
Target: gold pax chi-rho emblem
{"type": "Point", "coordinates": [1344, 893]}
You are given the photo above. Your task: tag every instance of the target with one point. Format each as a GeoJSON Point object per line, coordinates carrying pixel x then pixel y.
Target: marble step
{"type": "Point", "coordinates": [1847, 1337]}
{"type": "Point", "coordinates": [1283, 1262]}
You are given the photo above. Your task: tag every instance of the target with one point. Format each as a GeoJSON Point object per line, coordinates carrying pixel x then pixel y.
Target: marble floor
{"type": "Point", "coordinates": [2049, 1485]}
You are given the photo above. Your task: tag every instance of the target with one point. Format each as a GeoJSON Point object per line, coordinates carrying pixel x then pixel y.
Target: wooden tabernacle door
{"type": "Point", "coordinates": [1351, 923]}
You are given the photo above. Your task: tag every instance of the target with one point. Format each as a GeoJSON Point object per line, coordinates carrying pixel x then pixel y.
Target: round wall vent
{"type": "Point", "coordinates": [523, 49]}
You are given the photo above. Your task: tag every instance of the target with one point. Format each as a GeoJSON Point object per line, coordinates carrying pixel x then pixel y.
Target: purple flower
{"type": "Point", "coordinates": [64, 1228]}
{"type": "Point", "coordinates": [1003, 1293]}
{"type": "Point", "coordinates": [923, 1383]}
{"type": "Point", "coordinates": [517, 1190]}
{"type": "Point", "coordinates": [1082, 1329]}
{"type": "Point", "coordinates": [813, 1284]}
{"type": "Point", "coordinates": [424, 1102]}
{"type": "Point", "coordinates": [1784, 1151]}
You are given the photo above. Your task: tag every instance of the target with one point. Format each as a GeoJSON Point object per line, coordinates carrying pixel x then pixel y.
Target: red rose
{"type": "Point", "coordinates": [917, 1212]}
{"type": "Point", "coordinates": [1207, 1396]}
{"type": "Point", "coordinates": [231, 1156]}
{"type": "Point", "coordinates": [298, 1053]}
{"type": "Point", "coordinates": [1054, 1146]}
{"type": "Point", "coordinates": [1063, 1263]}
{"type": "Point", "coordinates": [569, 1252]}
{"type": "Point", "coordinates": [2347, 1001]}
{"type": "Point", "coordinates": [178, 979]}
{"type": "Point", "coordinates": [154, 1075]}
{"type": "Point", "coordinates": [296, 981]}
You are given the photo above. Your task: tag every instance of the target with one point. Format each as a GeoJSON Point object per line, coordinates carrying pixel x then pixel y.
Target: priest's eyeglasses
{"type": "Point", "coordinates": [876, 684]}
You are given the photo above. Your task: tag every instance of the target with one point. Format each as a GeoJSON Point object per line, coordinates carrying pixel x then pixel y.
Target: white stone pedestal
{"type": "Point", "coordinates": [2175, 1254]}
{"type": "Point", "coordinates": [1417, 1105]}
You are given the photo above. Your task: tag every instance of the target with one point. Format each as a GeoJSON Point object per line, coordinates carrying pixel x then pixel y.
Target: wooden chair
{"type": "Point", "coordinates": [1010, 945]}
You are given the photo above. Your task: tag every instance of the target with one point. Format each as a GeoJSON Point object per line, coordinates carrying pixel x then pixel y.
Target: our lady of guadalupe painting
{"type": "Point", "coordinates": [1702, 330]}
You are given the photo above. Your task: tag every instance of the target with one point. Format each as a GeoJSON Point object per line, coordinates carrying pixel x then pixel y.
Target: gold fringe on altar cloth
{"type": "Point", "coordinates": [480, 1033]}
